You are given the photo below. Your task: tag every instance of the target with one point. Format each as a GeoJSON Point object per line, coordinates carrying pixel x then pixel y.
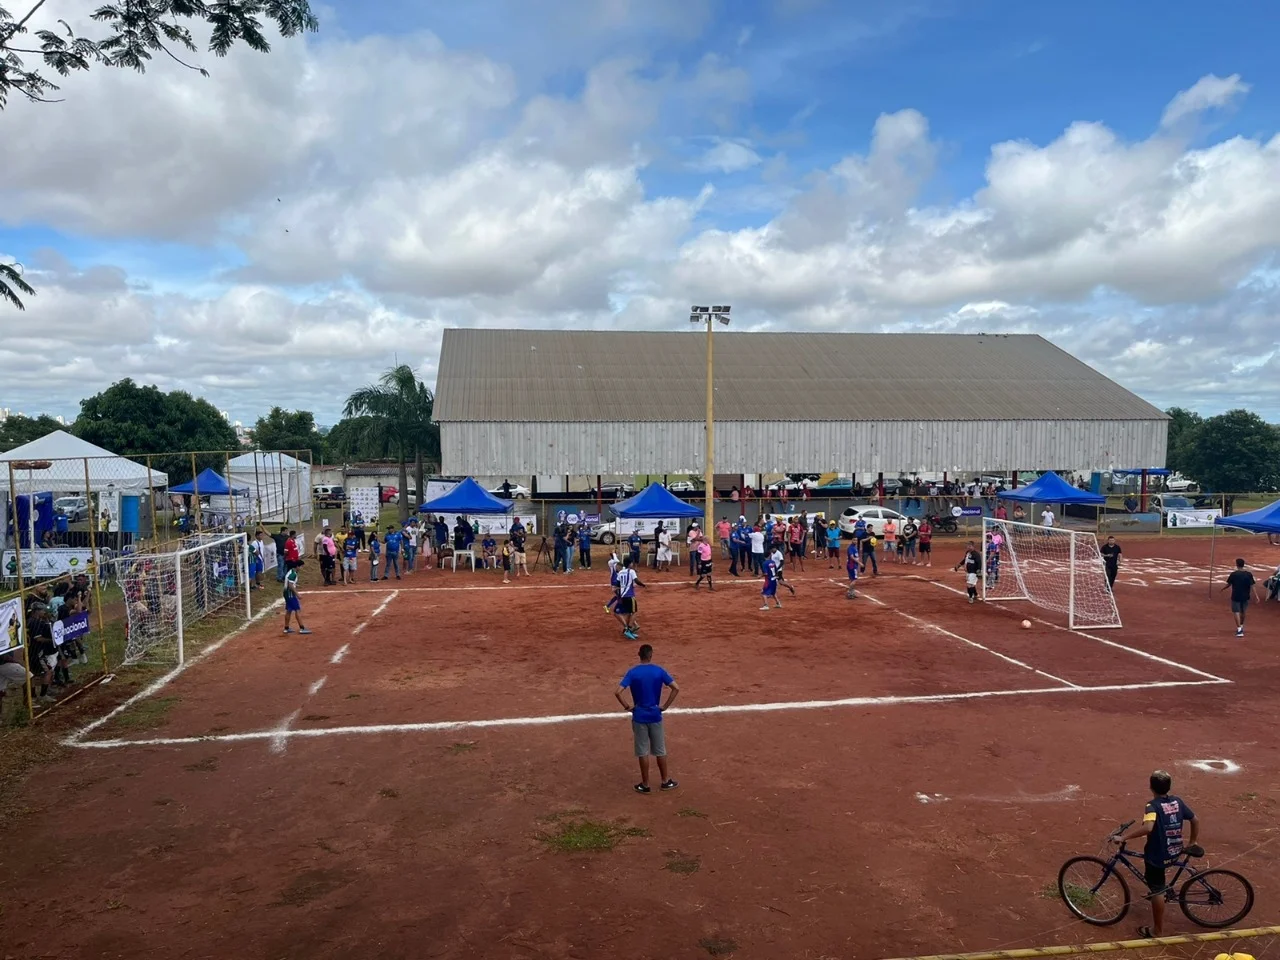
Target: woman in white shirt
{"type": "Point", "coordinates": [664, 550]}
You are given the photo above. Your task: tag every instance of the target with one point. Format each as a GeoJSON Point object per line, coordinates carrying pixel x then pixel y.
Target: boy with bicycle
{"type": "Point", "coordinates": [1162, 826]}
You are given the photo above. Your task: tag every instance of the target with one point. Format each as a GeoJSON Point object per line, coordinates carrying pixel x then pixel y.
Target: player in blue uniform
{"type": "Point", "coordinates": [625, 608]}
{"type": "Point", "coordinates": [852, 567]}
{"type": "Point", "coordinates": [770, 589]}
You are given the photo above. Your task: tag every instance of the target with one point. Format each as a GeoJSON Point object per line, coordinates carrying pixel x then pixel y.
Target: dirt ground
{"type": "Point", "coordinates": [347, 794]}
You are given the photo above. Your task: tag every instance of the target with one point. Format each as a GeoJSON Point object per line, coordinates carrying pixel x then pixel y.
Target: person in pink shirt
{"type": "Point", "coordinates": [704, 563]}
{"type": "Point", "coordinates": [797, 533]}
{"type": "Point", "coordinates": [723, 529]}
{"type": "Point", "coordinates": [781, 531]}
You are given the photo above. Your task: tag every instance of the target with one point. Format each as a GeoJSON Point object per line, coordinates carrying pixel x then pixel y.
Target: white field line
{"type": "Point", "coordinates": [315, 687]}
{"type": "Point", "coordinates": [1110, 643]}
{"type": "Point", "coordinates": [925, 624]}
{"type": "Point", "coordinates": [617, 715]}
{"type": "Point", "coordinates": [280, 735]}
{"type": "Point", "coordinates": [340, 653]}
{"type": "Point", "coordinates": [161, 682]}
{"type": "Point", "coordinates": [359, 628]}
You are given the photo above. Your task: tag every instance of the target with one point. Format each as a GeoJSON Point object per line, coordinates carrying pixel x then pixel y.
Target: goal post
{"type": "Point", "coordinates": [167, 595]}
{"type": "Point", "coordinates": [1057, 569]}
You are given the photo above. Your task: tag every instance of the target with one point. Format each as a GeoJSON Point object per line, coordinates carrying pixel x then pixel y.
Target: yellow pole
{"type": "Point", "coordinates": [151, 501]}
{"type": "Point", "coordinates": [1111, 946]}
{"type": "Point", "coordinates": [709, 474]}
{"type": "Point", "coordinates": [195, 497]}
{"type": "Point", "coordinates": [95, 574]}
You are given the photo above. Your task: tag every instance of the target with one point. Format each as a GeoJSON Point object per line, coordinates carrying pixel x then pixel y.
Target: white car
{"type": "Point", "coordinates": [74, 508]}
{"type": "Point", "coordinates": [793, 486]}
{"type": "Point", "coordinates": [875, 517]}
{"type": "Point", "coordinates": [1180, 484]}
{"type": "Point", "coordinates": [518, 491]}
{"type": "Point", "coordinates": [683, 486]}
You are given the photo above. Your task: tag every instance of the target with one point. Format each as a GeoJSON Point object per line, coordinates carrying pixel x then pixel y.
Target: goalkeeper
{"type": "Point", "coordinates": [292, 604]}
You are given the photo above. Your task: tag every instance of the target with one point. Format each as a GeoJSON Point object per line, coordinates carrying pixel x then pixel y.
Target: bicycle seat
{"type": "Point", "coordinates": [1195, 850]}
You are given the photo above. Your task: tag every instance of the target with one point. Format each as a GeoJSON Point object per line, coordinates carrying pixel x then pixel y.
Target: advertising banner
{"type": "Point", "coordinates": [647, 527]}
{"type": "Point", "coordinates": [10, 625]}
{"type": "Point", "coordinates": [500, 526]}
{"type": "Point", "coordinates": [71, 628]}
{"type": "Point", "coordinates": [41, 564]}
{"type": "Point", "coordinates": [109, 503]}
{"type": "Point", "coordinates": [438, 488]}
{"type": "Point", "coordinates": [363, 505]}
{"type": "Point", "coordinates": [1192, 518]}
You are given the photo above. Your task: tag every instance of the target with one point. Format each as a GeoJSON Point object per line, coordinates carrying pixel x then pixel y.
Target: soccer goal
{"type": "Point", "coordinates": [168, 594]}
{"type": "Point", "coordinates": [1060, 570]}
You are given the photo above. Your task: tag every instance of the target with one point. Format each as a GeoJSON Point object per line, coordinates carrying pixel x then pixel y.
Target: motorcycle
{"type": "Point", "coordinates": [942, 524]}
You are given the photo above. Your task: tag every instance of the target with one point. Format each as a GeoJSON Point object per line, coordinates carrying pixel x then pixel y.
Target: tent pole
{"type": "Point", "coordinates": [1213, 544]}
{"type": "Point", "coordinates": [22, 586]}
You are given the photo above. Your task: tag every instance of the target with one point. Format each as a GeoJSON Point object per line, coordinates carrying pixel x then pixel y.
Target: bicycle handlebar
{"type": "Point", "coordinates": [1123, 827]}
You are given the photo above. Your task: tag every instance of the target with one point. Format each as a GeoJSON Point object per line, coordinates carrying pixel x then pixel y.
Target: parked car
{"type": "Point", "coordinates": [793, 486]}
{"type": "Point", "coordinates": [74, 509]}
{"type": "Point", "coordinates": [875, 517]}
{"type": "Point", "coordinates": [683, 486]}
{"type": "Point", "coordinates": [617, 490]}
{"type": "Point", "coordinates": [390, 494]}
{"type": "Point", "coordinates": [518, 491]}
{"type": "Point", "coordinates": [1177, 483]}
{"type": "Point", "coordinates": [328, 496]}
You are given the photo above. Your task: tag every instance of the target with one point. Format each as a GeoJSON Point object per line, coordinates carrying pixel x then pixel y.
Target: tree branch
{"type": "Point", "coordinates": [30, 13]}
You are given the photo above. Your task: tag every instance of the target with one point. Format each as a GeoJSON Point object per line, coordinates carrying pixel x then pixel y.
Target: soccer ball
{"type": "Point", "coordinates": [1026, 624]}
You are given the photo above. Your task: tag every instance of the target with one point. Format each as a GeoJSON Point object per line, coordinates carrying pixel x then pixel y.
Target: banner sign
{"type": "Point", "coordinates": [500, 525]}
{"type": "Point", "coordinates": [1192, 518]}
{"type": "Point", "coordinates": [11, 625]}
{"type": "Point", "coordinates": [41, 564]}
{"type": "Point", "coordinates": [108, 503]}
{"type": "Point", "coordinates": [646, 527]}
{"type": "Point", "coordinates": [438, 488]}
{"type": "Point", "coordinates": [363, 505]}
{"type": "Point", "coordinates": [970, 511]}
{"type": "Point", "coordinates": [71, 628]}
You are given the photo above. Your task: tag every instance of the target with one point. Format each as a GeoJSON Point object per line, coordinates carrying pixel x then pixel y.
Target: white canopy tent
{"type": "Point", "coordinates": [68, 457]}
{"type": "Point", "coordinates": [279, 485]}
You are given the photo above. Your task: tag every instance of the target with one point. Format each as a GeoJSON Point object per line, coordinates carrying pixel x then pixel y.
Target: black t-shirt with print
{"type": "Point", "coordinates": [972, 561]}
{"type": "Point", "coordinates": [1111, 555]}
{"type": "Point", "coordinates": [517, 540]}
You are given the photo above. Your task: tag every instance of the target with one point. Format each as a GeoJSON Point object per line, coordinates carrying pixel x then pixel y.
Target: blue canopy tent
{"type": "Point", "coordinates": [1263, 520]}
{"type": "Point", "coordinates": [209, 483]}
{"type": "Point", "coordinates": [1051, 488]}
{"type": "Point", "coordinates": [467, 497]}
{"type": "Point", "coordinates": [654, 502]}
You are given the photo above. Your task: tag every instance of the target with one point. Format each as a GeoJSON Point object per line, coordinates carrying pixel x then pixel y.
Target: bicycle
{"type": "Point", "coordinates": [1087, 883]}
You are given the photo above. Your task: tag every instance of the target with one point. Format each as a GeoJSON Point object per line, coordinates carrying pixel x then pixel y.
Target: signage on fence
{"type": "Point", "coordinates": [970, 512]}
{"type": "Point", "coordinates": [646, 527]}
{"type": "Point", "coordinates": [500, 525]}
{"type": "Point", "coordinates": [71, 628]}
{"type": "Point", "coordinates": [363, 503]}
{"type": "Point", "coordinates": [11, 625]}
{"type": "Point", "coordinates": [43, 563]}
{"type": "Point", "coordinates": [1192, 518]}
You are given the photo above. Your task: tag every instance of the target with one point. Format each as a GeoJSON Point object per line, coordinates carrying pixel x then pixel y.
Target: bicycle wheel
{"type": "Point", "coordinates": [1216, 898]}
{"type": "Point", "coordinates": [1093, 890]}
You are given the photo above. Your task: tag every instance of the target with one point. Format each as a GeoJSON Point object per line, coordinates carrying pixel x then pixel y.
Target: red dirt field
{"type": "Point", "coordinates": [889, 826]}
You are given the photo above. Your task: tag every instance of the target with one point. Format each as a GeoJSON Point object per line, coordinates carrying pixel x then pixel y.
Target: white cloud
{"type": "Point", "coordinates": [1208, 93]}
{"type": "Point", "coordinates": [727, 156]}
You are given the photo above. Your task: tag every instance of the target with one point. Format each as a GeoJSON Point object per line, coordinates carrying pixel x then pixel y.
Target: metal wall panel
{"type": "Point", "coordinates": [526, 449]}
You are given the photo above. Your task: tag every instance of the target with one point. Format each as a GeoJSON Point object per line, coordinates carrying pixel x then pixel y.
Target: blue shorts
{"type": "Point", "coordinates": [770, 589]}
{"type": "Point", "coordinates": [613, 579]}
{"type": "Point", "coordinates": [853, 574]}
{"type": "Point", "coordinates": [255, 567]}
{"type": "Point", "coordinates": [292, 603]}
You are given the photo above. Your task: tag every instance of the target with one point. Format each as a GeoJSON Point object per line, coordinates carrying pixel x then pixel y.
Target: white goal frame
{"type": "Point", "coordinates": [173, 560]}
{"type": "Point", "coordinates": [1083, 560]}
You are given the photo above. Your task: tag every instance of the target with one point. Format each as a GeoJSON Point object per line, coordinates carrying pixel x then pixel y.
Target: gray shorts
{"type": "Point", "coordinates": [1238, 606]}
{"type": "Point", "coordinates": [349, 564]}
{"type": "Point", "coordinates": [650, 738]}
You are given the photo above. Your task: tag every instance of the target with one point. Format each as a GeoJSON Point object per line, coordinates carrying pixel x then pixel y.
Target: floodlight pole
{"type": "Point", "coordinates": [698, 314]}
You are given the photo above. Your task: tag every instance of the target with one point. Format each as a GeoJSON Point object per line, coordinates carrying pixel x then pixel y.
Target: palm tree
{"type": "Point", "coordinates": [397, 417]}
{"type": "Point", "coordinates": [11, 277]}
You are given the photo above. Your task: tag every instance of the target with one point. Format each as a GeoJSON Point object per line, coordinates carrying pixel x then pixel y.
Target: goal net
{"type": "Point", "coordinates": [1059, 570]}
{"type": "Point", "coordinates": [167, 595]}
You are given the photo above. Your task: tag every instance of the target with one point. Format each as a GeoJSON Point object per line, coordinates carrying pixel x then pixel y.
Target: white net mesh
{"type": "Point", "coordinates": [167, 594]}
{"type": "Point", "coordinates": [1059, 570]}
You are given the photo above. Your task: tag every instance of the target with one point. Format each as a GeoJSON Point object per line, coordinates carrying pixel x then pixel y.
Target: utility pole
{"type": "Point", "coordinates": [710, 315]}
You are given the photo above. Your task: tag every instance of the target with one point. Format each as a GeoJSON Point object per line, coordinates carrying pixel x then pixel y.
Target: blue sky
{"type": "Point", "coordinates": [824, 165]}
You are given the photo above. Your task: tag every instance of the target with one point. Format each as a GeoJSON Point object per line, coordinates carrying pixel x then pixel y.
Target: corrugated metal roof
{"type": "Point", "coordinates": [601, 376]}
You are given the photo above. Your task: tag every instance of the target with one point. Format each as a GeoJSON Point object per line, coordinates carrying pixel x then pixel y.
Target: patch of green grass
{"type": "Point", "coordinates": [683, 863]}
{"type": "Point", "coordinates": [1082, 897]}
{"type": "Point", "coordinates": [587, 836]}
{"type": "Point", "coordinates": [1049, 891]}
{"type": "Point", "coordinates": [690, 812]}
{"type": "Point", "coordinates": [718, 946]}
{"type": "Point", "coordinates": [145, 714]}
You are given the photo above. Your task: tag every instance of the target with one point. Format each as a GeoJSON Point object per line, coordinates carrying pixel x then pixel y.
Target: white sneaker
{"type": "Point", "coordinates": [1239, 631]}
{"type": "Point", "coordinates": [765, 607]}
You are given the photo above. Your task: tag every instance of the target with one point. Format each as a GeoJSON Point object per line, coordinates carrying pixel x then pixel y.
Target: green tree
{"type": "Point", "coordinates": [137, 422]}
{"type": "Point", "coordinates": [1235, 452]}
{"type": "Point", "coordinates": [133, 32]}
{"type": "Point", "coordinates": [11, 282]}
{"type": "Point", "coordinates": [1183, 427]}
{"type": "Point", "coordinates": [354, 438]}
{"type": "Point", "coordinates": [289, 430]}
{"type": "Point", "coordinates": [17, 430]}
{"type": "Point", "coordinates": [395, 414]}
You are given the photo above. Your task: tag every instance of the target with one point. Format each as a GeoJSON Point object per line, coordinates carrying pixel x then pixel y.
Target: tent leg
{"type": "Point", "coordinates": [1213, 544]}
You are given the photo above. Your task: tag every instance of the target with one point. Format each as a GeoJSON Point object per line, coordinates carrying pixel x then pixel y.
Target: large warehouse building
{"type": "Point", "coordinates": [528, 402]}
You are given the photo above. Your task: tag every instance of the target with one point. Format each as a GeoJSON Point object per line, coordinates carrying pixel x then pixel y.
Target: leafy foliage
{"type": "Point", "coordinates": [1234, 452]}
{"type": "Point", "coordinates": [395, 414]}
{"type": "Point", "coordinates": [139, 421]}
{"type": "Point", "coordinates": [290, 431]}
{"type": "Point", "coordinates": [11, 282]}
{"type": "Point", "coordinates": [135, 31]}
{"type": "Point", "coordinates": [17, 430]}
{"type": "Point", "coordinates": [1183, 425]}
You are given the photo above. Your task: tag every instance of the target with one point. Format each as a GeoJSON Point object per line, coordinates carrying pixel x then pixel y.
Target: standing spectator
{"type": "Point", "coordinates": [1243, 588]}
{"type": "Point", "coordinates": [292, 552]}
{"type": "Point", "coordinates": [692, 539]}
{"type": "Point", "coordinates": [723, 533]}
{"type": "Point", "coordinates": [257, 559]}
{"type": "Point", "coordinates": [833, 543]}
{"type": "Point", "coordinates": [756, 537]}
{"type": "Point", "coordinates": [327, 551]}
{"type": "Point", "coordinates": [560, 535]}
{"type": "Point", "coordinates": [1111, 560]}
{"type": "Point", "coordinates": [646, 681]}
{"type": "Point", "coordinates": [410, 545]}
{"type": "Point", "coordinates": [279, 540]}
{"type": "Point", "coordinates": [910, 541]}
{"type": "Point", "coordinates": [375, 555]}
{"type": "Point", "coordinates": [516, 539]}
{"type": "Point", "coordinates": [570, 541]}
{"type": "Point", "coordinates": [350, 556]}
{"type": "Point", "coordinates": [797, 537]}
{"type": "Point", "coordinates": [662, 558]}
{"type": "Point", "coordinates": [584, 545]}
{"type": "Point", "coordinates": [1047, 518]}
{"type": "Point", "coordinates": [391, 544]}
{"type": "Point", "coordinates": [1001, 512]}
{"type": "Point", "coordinates": [890, 540]}
{"type": "Point", "coordinates": [633, 548]}
{"type": "Point", "coordinates": [441, 531]}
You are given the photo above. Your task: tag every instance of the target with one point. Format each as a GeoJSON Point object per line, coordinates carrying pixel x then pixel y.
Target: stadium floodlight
{"type": "Point", "coordinates": [704, 314]}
